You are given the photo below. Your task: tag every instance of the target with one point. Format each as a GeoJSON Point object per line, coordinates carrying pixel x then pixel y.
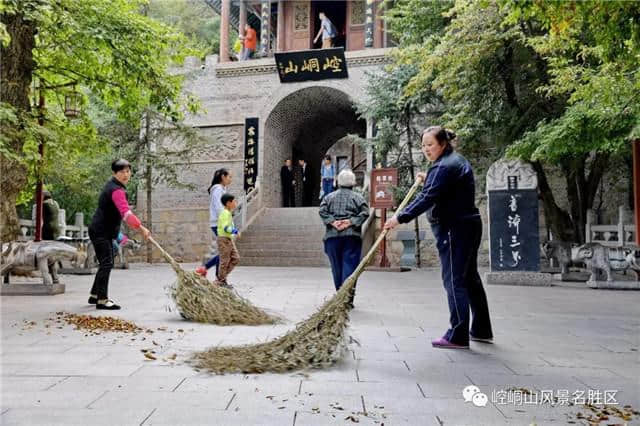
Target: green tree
{"type": "Point", "coordinates": [104, 47]}
{"type": "Point", "coordinates": [397, 117]}
{"type": "Point", "coordinates": [193, 18]}
{"type": "Point", "coordinates": [529, 81]}
{"type": "Point", "coordinates": [593, 50]}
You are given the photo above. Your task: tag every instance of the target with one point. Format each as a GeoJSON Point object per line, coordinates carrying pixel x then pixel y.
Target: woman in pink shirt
{"type": "Point", "coordinates": [113, 208]}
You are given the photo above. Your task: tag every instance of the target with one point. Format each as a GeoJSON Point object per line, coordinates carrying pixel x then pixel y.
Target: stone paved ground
{"type": "Point", "coordinates": [558, 339]}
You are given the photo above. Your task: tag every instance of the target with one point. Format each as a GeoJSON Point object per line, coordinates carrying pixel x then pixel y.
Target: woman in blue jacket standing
{"type": "Point", "coordinates": [328, 177]}
{"type": "Point", "coordinates": [448, 198]}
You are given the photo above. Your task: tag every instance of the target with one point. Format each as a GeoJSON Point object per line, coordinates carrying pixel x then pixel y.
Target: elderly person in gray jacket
{"type": "Point", "coordinates": [343, 212]}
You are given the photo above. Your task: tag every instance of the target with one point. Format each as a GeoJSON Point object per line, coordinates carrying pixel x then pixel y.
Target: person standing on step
{"type": "Point", "coordinates": [327, 177]}
{"type": "Point", "coordinates": [343, 213]}
{"type": "Point", "coordinates": [288, 184]}
{"type": "Point", "coordinates": [307, 188]}
{"type": "Point", "coordinates": [113, 208]}
{"type": "Point", "coordinates": [219, 184]}
{"type": "Point", "coordinates": [448, 198]}
{"type": "Point", "coordinates": [250, 41]}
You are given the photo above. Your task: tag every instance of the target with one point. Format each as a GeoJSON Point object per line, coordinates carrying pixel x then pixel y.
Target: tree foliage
{"type": "Point", "coordinates": [193, 18]}
{"type": "Point", "coordinates": [554, 83]}
{"type": "Point", "coordinates": [104, 48]}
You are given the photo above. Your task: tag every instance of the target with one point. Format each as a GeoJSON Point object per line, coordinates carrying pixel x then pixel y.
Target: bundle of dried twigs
{"type": "Point", "coordinates": [314, 343]}
{"type": "Point", "coordinates": [199, 300]}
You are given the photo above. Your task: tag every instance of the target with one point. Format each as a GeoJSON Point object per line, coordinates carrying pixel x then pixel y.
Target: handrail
{"type": "Point", "coordinates": [243, 205]}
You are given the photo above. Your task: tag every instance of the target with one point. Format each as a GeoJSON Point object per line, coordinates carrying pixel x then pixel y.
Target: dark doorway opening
{"type": "Point", "coordinates": [336, 11]}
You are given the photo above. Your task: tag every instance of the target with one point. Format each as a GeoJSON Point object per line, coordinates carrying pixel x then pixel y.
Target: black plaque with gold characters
{"type": "Point", "coordinates": [305, 65]}
{"type": "Point", "coordinates": [250, 153]}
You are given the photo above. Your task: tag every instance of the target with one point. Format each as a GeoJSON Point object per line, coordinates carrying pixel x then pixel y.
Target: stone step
{"type": "Point", "coordinates": [280, 245]}
{"type": "Point", "coordinates": [267, 237]}
{"type": "Point", "coordinates": [313, 222]}
{"type": "Point", "coordinates": [284, 237]}
{"type": "Point", "coordinates": [291, 211]}
{"type": "Point", "coordinates": [278, 261]}
{"type": "Point", "coordinates": [284, 227]}
{"type": "Point", "coordinates": [290, 253]}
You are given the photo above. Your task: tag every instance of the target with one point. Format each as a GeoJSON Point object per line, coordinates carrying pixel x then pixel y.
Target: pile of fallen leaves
{"type": "Point", "coordinates": [100, 323]}
{"type": "Point", "coordinates": [605, 413]}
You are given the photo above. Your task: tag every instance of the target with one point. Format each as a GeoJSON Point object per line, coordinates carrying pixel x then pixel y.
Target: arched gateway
{"type": "Point", "coordinates": [305, 125]}
{"type": "Point", "coordinates": [292, 120]}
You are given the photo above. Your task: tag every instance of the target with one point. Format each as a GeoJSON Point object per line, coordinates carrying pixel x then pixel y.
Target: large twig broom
{"type": "Point", "coordinates": [199, 300]}
{"type": "Point", "coordinates": [316, 342]}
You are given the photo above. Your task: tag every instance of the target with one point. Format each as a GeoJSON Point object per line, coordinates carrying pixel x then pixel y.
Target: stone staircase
{"type": "Point", "coordinates": [284, 237]}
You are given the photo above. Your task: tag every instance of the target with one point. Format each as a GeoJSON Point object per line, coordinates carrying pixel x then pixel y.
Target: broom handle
{"type": "Point", "coordinates": [166, 255]}
{"type": "Point", "coordinates": [367, 258]}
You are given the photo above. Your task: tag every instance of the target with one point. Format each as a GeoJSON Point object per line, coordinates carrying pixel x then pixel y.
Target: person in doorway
{"type": "Point", "coordinates": [219, 184]}
{"type": "Point", "coordinates": [448, 198]}
{"type": "Point", "coordinates": [288, 184]}
{"type": "Point", "coordinates": [327, 31]}
{"type": "Point", "coordinates": [343, 213]}
{"type": "Point", "coordinates": [307, 188]}
{"type": "Point", "coordinates": [113, 208]}
{"type": "Point", "coordinates": [250, 41]}
{"type": "Point", "coordinates": [229, 256]}
{"type": "Point", "coordinates": [327, 177]}
{"type": "Point", "coordinates": [50, 217]}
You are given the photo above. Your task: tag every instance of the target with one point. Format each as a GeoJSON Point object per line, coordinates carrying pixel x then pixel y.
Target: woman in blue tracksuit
{"type": "Point", "coordinates": [448, 198]}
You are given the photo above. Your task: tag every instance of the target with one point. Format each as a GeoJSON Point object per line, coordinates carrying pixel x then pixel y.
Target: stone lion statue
{"type": "Point", "coordinates": [26, 258]}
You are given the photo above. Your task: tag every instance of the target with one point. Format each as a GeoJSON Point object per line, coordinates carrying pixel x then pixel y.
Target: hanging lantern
{"type": "Point", "coordinates": [72, 104]}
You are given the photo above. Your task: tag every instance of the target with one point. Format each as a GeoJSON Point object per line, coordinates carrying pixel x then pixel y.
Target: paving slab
{"type": "Point", "coordinates": [545, 339]}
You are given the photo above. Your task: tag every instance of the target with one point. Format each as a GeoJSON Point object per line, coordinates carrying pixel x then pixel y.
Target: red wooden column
{"type": "Point", "coordinates": [635, 147]}
{"type": "Point", "coordinates": [224, 30]}
{"type": "Point", "coordinates": [280, 28]}
{"type": "Point", "coordinates": [243, 17]}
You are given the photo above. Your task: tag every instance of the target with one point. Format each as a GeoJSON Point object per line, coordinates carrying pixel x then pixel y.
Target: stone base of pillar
{"type": "Point", "coordinates": [572, 276]}
{"type": "Point", "coordinates": [519, 278]}
{"type": "Point", "coordinates": [78, 271]}
{"type": "Point", "coordinates": [389, 269]}
{"type": "Point", "coordinates": [31, 289]}
{"type": "Point", "coordinates": [614, 285]}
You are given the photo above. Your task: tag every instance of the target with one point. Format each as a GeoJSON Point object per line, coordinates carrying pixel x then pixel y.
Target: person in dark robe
{"type": "Point", "coordinates": [50, 217]}
{"type": "Point", "coordinates": [307, 187]}
{"type": "Point", "coordinates": [288, 184]}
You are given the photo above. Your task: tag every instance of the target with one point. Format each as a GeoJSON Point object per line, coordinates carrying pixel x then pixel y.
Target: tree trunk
{"type": "Point", "coordinates": [15, 79]}
{"type": "Point", "coordinates": [573, 169]}
{"type": "Point", "coordinates": [582, 189]}
{"type": "Point", "coordinates": [416, 225]}
{"type": "Point", "coordinates": [148, 182]}
{"type": "Point", "coordinates": [628, 160]}
{"type": "Point", "coordinates": [557, 219]}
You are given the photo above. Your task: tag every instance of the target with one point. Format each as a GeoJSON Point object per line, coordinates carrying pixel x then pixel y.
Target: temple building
{"type": "Point", "coordinates": [292, 100]}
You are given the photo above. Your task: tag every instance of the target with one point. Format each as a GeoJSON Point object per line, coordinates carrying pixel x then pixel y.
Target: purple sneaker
{"type": "Point", "coordinates": [445, 344]}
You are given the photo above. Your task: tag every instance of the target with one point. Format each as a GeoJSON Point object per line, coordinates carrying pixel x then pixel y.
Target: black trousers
{"type": "Point", "coordinates": [104, 252]}
{"type": "Point", "coordinates": [288, 196]}
{"type": "Point", "coordinates": [307, 194]}
{"type": "Point", "coordinates": [458, 249]}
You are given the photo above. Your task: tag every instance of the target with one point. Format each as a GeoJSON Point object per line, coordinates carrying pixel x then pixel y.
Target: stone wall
{"type": "Point", "coordinates": [229, 93]}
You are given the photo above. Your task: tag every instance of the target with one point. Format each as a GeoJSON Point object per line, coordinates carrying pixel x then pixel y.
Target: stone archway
{"type": "Point", "coordinates": [305, 124]}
